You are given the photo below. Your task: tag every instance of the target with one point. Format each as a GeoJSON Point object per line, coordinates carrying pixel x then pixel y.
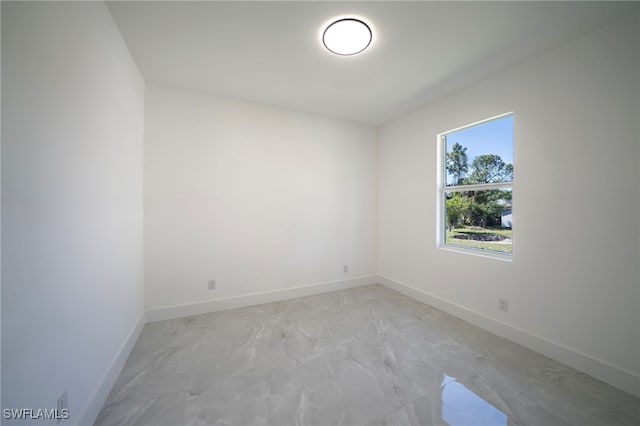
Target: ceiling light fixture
{"type": "Point", "coordinates": [347, 36]}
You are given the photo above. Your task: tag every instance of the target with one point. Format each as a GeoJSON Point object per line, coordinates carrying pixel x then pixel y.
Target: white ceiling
{"type": "Point", "coordinates": [270, 52]}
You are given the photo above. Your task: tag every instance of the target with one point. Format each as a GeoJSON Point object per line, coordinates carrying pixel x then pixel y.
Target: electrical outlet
{"type": "Point", "coordinates": [63, 404]}
{"type": "Point", "coordinates": [345, 268]}
{"type": "Point", "coordinates": [212, 284]}
{"type": "Point", "coordinates": [503, 305]}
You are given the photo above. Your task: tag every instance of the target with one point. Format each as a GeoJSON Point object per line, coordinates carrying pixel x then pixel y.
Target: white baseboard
{"type": "Point", "coordinates": [185, 310]}
{"type": "Point", "coordinates": [608, 373]}
{"type": "Point", "coordinates": [88, 417]}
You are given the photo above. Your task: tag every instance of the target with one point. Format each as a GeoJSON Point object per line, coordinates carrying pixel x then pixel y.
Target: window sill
{"type": "Point", "coordinates": [505, 257]}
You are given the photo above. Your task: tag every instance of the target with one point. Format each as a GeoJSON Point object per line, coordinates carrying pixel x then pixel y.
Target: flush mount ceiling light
{"type": "Point", "coordinates": [347, 36]}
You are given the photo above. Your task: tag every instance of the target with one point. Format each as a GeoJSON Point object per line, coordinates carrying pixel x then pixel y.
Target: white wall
{"type": "Point", "coordinates": [257, 198]}
{"type": "Point", "coordinates": [72, 135]}
{"type": "Point", "coordinates": [576, 150]}
{"type": "Point", "coordinates": [0, 212]}
{"type": "Point", "coordinates": [638, 170]}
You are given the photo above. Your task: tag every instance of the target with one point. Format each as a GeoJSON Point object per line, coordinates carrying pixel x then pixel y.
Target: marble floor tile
{"type": "Point", "coordinates": [167, 410]}
{"type": "Point", "coordinates": [422, 411]}
{"type": "Point", "coordinates": [363, 356]}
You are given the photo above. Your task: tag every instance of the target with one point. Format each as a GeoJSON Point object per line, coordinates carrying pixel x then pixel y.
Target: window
{"type": "Point", "coordinates": [475, 194]}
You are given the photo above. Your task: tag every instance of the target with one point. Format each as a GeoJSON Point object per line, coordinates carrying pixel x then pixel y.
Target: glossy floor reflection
{"type": "Point", "coordinates": [364, 356]}
{"type": "Point", "coordinates": [461, 406]}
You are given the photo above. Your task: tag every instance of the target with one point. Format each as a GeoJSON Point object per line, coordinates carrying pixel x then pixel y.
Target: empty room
{"type": "Point", "coordinates": [320, 213]}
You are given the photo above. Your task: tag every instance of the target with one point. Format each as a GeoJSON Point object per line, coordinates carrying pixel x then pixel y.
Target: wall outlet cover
{"type": "Point", "coordinates": [503, 304]}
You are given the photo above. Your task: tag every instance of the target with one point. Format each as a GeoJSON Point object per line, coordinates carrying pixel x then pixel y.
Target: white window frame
{"type": "Point", "coordinates": [441, 237]}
